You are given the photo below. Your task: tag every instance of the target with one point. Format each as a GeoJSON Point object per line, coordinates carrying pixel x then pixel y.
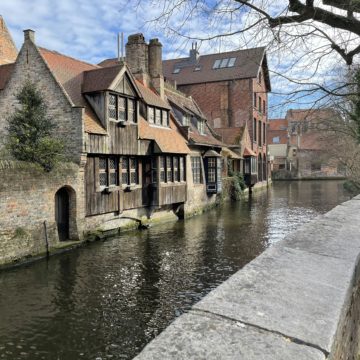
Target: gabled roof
{"type": "Point", "coordinates": [101, 79]}
{"type": "Point", "coordinates": [69, 72]}
{"type": "Point", "coordinates": [169, 140]}
{"type": "Point", "coordinates": [5, 74]}
{"type": "Point", "coordinates": [231, 136]}
{"type": "Point", "coordinates": [150, 97]}
{"type": "Point", "coordinates": [247, 65]}
{"type": "Point", "coordinates": [188, 105]}
{"type": "Point", "coordinates": [8, 51]}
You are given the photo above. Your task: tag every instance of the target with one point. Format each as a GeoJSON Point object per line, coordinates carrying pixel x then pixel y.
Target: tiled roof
{"type": "Point", "coordinates": [100, 78]}
{"type": "Point", "coordinates": [247, 65]}
{"type": "Point", "coordinates": [277, 128]}
{"type": "Point", "coordinates": [231, 136]}
{"type": "Point", "coordinates": [249, 152]}
{"type": "Point", "coordinates": [108, 62]}
{"type": "Point", "coordinates": [277, 124]}
{"type": "Point", "coordinates": [69, 73]}
{"type": "Point", "coordinates": [5, 73]}
{"type": "Point", "coordinates": [150, 97]}
{"type": "Point", "coordinates": [169, 140]}
{"type": "Point", "coordinates": [188, 104]}
{"type": "Point", "coordinates": [8, 51]}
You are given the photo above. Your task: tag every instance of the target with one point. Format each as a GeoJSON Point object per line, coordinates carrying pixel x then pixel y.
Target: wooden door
{"type": "Point", "coordinates": [62, 213]}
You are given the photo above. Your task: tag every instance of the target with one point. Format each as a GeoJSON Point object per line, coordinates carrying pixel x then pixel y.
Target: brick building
{"type": "Point", "coordinates": [277, 141]}
{"type": "Point", "coordinates": [231, 89]}
{"type": "Point", "coordinates": [300, 143]}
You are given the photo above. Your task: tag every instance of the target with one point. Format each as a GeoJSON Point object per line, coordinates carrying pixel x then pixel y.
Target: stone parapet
{"type": "Point", "coordinates": [298, 300]}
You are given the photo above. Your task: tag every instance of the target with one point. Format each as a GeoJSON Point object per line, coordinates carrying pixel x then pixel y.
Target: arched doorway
{"type": "Point", "coordinates": [62, 213]}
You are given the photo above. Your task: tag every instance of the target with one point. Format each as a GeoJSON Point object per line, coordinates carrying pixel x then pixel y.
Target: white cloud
{"type": "Point", "coordinates": [86, 29]}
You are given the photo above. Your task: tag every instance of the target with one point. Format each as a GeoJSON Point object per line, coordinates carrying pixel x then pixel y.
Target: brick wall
{"type": "Point", "coordinates": [27, 199]}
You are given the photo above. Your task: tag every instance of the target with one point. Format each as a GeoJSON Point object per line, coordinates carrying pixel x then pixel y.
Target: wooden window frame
{"type": "Point", "coordinates": [129, 171]}
{"type": "Point", "coordinates": [260, 130]}
{"type": "Point", "coordinates": [127, 99]}
{"type": "Point", "coordinates": [107, 170]}
{"type": "Point", "coordinates": [196, 169]}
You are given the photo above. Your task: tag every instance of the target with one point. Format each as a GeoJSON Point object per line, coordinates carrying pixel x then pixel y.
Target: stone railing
{"type": "Point", "coordinates": [299, 300]}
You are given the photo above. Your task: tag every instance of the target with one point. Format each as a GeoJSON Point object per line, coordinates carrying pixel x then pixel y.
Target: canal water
{"type": "Point", "coordinates": [108, 300]}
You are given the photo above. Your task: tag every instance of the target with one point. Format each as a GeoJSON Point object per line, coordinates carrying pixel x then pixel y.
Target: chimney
{"type": "Point", "coordinates": [155, 66]}
{"type": "Point", "coordinates": [137, 57]}
{"type": "Point", "coordinates": [194, 53]}
{"type": "Point", "coordinates": [29, 35]}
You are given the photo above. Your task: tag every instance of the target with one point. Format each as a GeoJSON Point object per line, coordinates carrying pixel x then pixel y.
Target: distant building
{"type": "Point", "coordinates": [277, 140]}
{"type": "Point", "coordinates": [300, 144]}
{"type": "Point", "coordinates": [231, 89]}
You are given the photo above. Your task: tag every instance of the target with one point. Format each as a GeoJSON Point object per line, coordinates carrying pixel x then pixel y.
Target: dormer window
{"type": "Point", "coordinates": [158, 116]}
{"type": "Point", "coordinates": [186, 120]}
{"type": "Point", "coordinates": [176, 70]}
{"type": "Point", "coordinates": [224, 63]}
{"type": "Point", "coordinates": [201, 126]}
{"type": "Point", "coordinates": [122, 109]}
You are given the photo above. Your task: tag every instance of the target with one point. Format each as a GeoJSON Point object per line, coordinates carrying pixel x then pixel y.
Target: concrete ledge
{"type": "Point", "coordinates": [297, 300]}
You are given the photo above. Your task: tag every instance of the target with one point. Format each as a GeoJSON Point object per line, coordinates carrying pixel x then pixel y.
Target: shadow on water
{"type": "Point", "coordinates": [109, 299]}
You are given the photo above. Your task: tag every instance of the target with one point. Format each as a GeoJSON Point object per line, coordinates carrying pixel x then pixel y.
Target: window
{"type": "Point", "coordinates": [151, 115]}
{"type": "Point", "coordinates": [129, 171]}
{"type": "Point", "coordinates": [157, 116]}
{"type": "Point", "coordinates": [182, 169]}
{"type": "Point", "coordinates": [121, 108]}
{"type": "Point", "coordinates": [276, 140]}
{"type": "Point", "coordinates": [201, 126]}
{"type": "Point", "coordinates": [231, 62]}
{"type": "Point", "coordinates": [264, 133]}
{"type": "Point", "coordinates": [211, 169]}
{"type": "Point", "coordinates": [165, 118]}
{"type": "Point", "coordinates": [259, 78]}
{"type": "Point", "coordinates": [154, 170]}
{"type": "Point", "coordinates": [254, 131]}
{"type": "Point", "coordinates": [108, 172]}
{"type": "Point", "coordinates": [264, 107]}
{"type": "Point", "coordinates": [254, 100]}
{"type": "Point", "coordinates": [186, 120]}
{"type": "Point", "coordinates": [216, 64]}
{"type": "Point", "coordinates": [259, 104]}
{"type": "Point", "coordinates": [260, 131]}
{"type": "Point", "coordinates": [176, 70]}
{"type": "Point", "coordinates": [197, 68]}
{"type": "Point", "coordinates": [176, 168]}
{"type": "Point", "coordinates": [223, 63]}
{"type": "Point", "coordinates": [253, 165]}
{"type": "Point", "coordinates": [196, 169]}
{"type": "Point", "coordinates": [162, 169]}
{"type": "Point", "coordinates": [169, 169]}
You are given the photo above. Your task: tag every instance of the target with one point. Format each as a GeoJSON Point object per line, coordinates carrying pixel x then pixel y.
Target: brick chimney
{"type": "Point", "coordinates": [29, 35]}
{"type": "Point", "coordinates": [137, 57]}
{"type": "Point", "coordinates": [8, 51]}
{"type": "Point", "coordinates": [145, 61]}
{"type": "Point", "coordinates": [194, 53]}
{"type": "Point", "coordinates": [155, 66]}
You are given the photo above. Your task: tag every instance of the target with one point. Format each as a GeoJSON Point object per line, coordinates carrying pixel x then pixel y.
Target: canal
{"type": "Point", "coordinates": [109, 299]}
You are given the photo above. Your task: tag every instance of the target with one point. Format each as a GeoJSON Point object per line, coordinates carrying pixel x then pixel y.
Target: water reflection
{"type": "Point", "coordinates": [109, 299]}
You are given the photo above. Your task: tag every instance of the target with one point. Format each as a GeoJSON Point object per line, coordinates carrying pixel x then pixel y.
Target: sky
{"type": "Point", "coordinates": [87, 30]}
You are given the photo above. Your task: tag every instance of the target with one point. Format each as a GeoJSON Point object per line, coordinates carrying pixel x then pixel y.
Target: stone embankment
{"type": "Point", "coordinates": [299, 300]}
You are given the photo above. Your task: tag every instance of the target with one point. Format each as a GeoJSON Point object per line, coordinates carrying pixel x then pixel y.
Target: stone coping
{"type": "Point", "coordinates": [291, 302]}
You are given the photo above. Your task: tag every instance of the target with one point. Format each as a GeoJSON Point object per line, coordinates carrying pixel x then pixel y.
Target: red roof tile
{"type": "Point", "coordinates": [100, 78]}
{"type": "Point", "coordinates": [69, 73]}
{"type": "Point", "coordinates": [231, 136]}
{"type": "Point", "coordinates": [151, 97]}
{"type": "Point", "coordinates": [169, 139]}
{"type": "Point", "coordinates": [8, 51]}
{"type": "Point", "coordinates": [5, 74]}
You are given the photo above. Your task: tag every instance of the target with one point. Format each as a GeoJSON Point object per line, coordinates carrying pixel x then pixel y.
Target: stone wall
{"type": "Point", "coordinates": [298, 300]}
{"type": "Point", "coordinates": [27, 200]}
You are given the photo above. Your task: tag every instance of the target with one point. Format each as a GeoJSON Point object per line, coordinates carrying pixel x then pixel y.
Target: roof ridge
{"type": "Point", "coordinates": [221, 53]}
{"type": "Point", "coordinates": [69, 57]}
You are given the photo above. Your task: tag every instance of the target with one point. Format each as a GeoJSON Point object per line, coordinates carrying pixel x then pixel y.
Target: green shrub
{"type": "Point", "coordinates": [30, 131]}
